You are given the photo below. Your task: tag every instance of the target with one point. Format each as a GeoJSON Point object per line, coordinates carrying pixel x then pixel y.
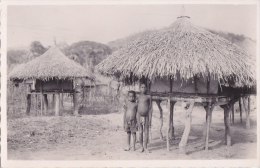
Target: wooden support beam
{"type": "Point", "coordinates": [57, 104]}
{"type": "Point", "coordinates": [249, 104]}
{"type": "Point", "coordinates": [209, 108]}
{"type": "Point", "coordinates": [218, 100]}
{"type": "Point", "coordinates": [171, 126]}
{"type": "Point", "coordinates": [185, 136]}
{"type": "Point", "coordinates": [158, 102]}
{"type": "Point", "coordinates": [29, 102]}
{"type": "Point", "coordinates": [41, 89]}
{"type": "Point", "coordinates": [240, 110]}
{"type": "Point", "coordinates": [245, 106]}
{"type": "Point", "coordinates": [45, 103]}
{"type": "Point", "coordinates": [76, 105]}
{"type": "Point", "coordinates": [53, 101]}
{"type": "Point", "coordinates": [168, 126]}
{"type": "Point", "coordinates": [36, 104]}
{"type": "Point", "coordinates": [41, 104]}
{"type": "Point", "coordinates": [227, 125]}
{"type": "Point", "coordinates": [172, 103]}
{"type": "Point", "coordinates": [248, 113]}
{"type": "Point", "coordinates": [232, 115]}
{"type": "Point", "coordinates": [205, 125]}
{"type": "Point", "coordinates": [61, 101]}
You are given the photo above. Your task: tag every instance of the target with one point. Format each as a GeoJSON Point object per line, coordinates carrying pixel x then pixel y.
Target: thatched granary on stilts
{"type": "Point", "coordinates": [51, 73]}
{"type": "Point", "coordinates": [187, 63]}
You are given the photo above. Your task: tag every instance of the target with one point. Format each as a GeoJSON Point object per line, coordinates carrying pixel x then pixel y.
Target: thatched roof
{"type": "Point", "coordinates": [52, 64]}
{"type": "Point", "coordinates": [181, 49]}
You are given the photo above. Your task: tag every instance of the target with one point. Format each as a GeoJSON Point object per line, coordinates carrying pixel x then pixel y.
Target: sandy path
{"type": "Point", "coordinates": [101, 137]}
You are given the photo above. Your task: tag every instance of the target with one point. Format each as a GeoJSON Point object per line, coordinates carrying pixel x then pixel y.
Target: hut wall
{"type": "Point", "coordinates": [163, 85]}
{"type": "Point", "coordinates": [54, 85]}
{"type": "Point", "coordinates": [227, 90]}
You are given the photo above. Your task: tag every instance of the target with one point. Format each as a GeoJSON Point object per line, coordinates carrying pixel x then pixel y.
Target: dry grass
{"type": "Point", "coordinates": [102, 137]}
{"type": "Point", "coordinates": [183, 49]}
{"type": "Point", "coordinates": [52, 64]}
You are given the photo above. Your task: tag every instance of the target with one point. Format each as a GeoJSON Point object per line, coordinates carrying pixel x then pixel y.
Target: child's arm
{"type": "Point", "coordinates": [150, 111]}
{"type": "Point", "coordinates": [125, 108]}
{"type": "Point", "coordinates": [137, 116]}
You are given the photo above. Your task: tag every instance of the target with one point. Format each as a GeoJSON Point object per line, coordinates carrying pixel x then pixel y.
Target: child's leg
{"type": "Point", "coordinates": [138, 125]}
{"type": "Point", "coordinates": [128, 141]}
{"type": "Point", "coordinates": [141, 137]}
{"type": "Point", "coordinates": [134, 140]}
{"type": "Point", "coordinates": [146, 133]}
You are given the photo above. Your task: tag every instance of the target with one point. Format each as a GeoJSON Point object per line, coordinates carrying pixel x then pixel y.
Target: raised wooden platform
{"type": "Point", "coordinates": [208, 102]}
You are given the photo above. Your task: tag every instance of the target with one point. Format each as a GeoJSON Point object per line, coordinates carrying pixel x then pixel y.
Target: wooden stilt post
{"type": "Point", "coordinates": [57, 104]}
{"type": "Point", "coordinates": [205, 124]}
{"type": "Point", "coordinates": [53, 101]}
{"type": "Point", "coordinates": [171, 131]}
{"type": "Point", "coordinates": [158, 102]}
{"type": "Point", "coordinates": [240, 110]}
{"type": "Point", "coordinates": [76, 108]}
{"type": "Point", "coordinates": [245, 107]}
{"type": "Point", "coordinates": [248, 113]}
{"type": "Point", "coordinates": [28, 108]}
{"type": "Point", "coordinates": [61, 101]}
{"type": "Point", "coordinates": [168, 125]}
{"type": "Point", "coordinates": [41, 99]}
{"type": "Point", "coordinates": [249, 104]}
{"type": "Point", "coordinates": [171, 126]}
{"type": "Point", "coordinates": [185, 136]}
{"type": "Point", "coordinates": [148, 86]}
{"type": "Point", "coordinates": [90, 92]}
{"type": "Point", "coordinates": [36, 103]}
{"type": "Point", "coordinates": [209, 109]}
{"type": "Point", "coordinates": [41, 104]}
{"type": "Point", "coordinates": [45, 102]}
{"type": "Point", "coordinates": [230, 117]}
{"type": "Point", "coordinates": [233, 114]}
{"type": "Point", "coordinates": [227, 125]}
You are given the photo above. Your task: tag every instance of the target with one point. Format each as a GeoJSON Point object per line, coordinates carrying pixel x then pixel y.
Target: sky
{"type": "Point", "coordinates": [104, 23]}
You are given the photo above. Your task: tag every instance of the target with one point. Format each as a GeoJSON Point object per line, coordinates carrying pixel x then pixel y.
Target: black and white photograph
{"type": "Point", "coordinates": [147, 81]}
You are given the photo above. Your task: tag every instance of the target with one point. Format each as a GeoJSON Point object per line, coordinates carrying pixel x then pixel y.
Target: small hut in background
{"type": "Point", "coordinates": [187, 63]}
{"type": "Point", "coordinates": [94, 90]}
{"type": "Point", "coordinates": [101, 89]}
{"type": "Point", "coordinates": [51, 73]}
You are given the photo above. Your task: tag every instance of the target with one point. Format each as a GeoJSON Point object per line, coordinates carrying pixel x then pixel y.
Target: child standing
{"type": "Point", "coordinates": [144, 112]}
{"type": "Point", "coordinates": [130, 120]}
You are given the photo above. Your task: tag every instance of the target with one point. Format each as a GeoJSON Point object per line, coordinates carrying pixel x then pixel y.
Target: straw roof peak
{"type": "Point", "coordinates": [52, 64]}
{"type": "Point", "coordinates": [179, 17]}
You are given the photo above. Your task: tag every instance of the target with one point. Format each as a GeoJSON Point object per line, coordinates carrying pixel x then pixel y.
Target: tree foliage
{"type": "Point", "coordinates": [234, 38]}
{"type": "Point", "coordinates": [88, 53]}
{"type": "Point", "coordinates": [37, 49]}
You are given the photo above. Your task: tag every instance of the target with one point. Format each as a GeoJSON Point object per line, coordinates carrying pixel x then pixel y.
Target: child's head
{"type": "Point", "coordinates": [143, 88]}
{"type": "Point", "coordinates": [131, 95]}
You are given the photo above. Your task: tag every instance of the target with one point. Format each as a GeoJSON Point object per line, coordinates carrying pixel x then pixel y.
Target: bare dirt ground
{"type": "Point", "coordinates": [101, 136]}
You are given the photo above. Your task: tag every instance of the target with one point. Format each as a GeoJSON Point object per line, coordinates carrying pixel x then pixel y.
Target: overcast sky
{"type": "Point", "coordinates": [104, 23]}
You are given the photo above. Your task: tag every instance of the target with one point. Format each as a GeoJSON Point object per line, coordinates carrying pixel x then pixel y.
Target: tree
{"type": "Point", "coordinates": [88, 53]}
{"type": "Point", "coordinates": [37, 49]}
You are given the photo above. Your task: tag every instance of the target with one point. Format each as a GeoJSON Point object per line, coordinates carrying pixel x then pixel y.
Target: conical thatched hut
{"type": "Point", "coordinates": [184, 62]}
{"type": "Point", "coordinates": [50, 73]}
